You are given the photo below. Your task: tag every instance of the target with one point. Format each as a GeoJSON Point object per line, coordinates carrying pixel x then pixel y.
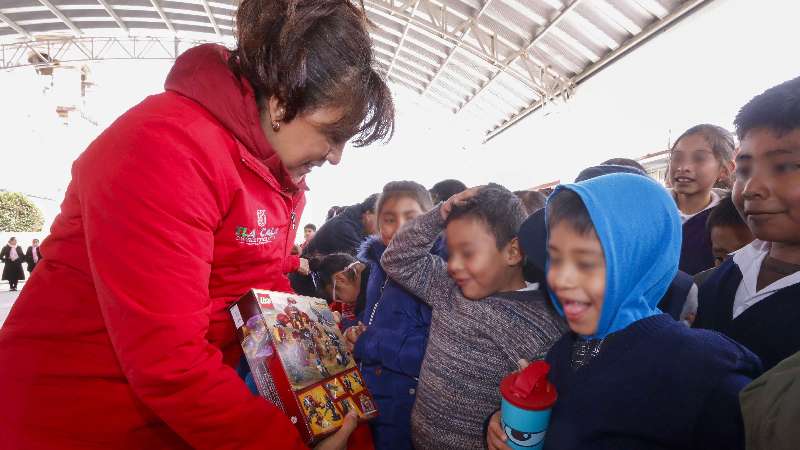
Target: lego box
{"type": "Point", "coordinates": [299, 361]}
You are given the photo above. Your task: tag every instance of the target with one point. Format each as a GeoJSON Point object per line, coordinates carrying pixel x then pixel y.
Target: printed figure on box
{"type": "Point", "coordinates": [310, 346]}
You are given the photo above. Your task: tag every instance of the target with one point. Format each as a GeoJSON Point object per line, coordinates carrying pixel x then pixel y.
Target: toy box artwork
{"type": "Point", "coordinates": [299, 361]}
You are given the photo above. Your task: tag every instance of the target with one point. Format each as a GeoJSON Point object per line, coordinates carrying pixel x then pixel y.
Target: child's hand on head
{"type": "Point", "coordinates": [459, 199]}
{"type": "Point", "coordinates": [495, 436]}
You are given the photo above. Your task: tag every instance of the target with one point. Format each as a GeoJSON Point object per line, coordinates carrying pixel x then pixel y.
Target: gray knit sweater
{"type": "Point", "coordinates": [472, 345]}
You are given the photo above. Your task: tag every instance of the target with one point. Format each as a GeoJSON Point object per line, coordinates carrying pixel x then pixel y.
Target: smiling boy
{"type": "Point", "coordinates": [629, 376]}
{"type": "Point", "coordinates": [753, 296]}
{"type": "Point", "coordinates": [485, 316]}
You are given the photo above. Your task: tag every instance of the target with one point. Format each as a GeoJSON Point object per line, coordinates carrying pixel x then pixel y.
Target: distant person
{"type": "Point", "coordinates": [701, 158]}
{"type": "Point", "coordinates": [12, 257]}
{"type": "Point", "coordinates": [308, 233]}
{"type": "Point", "coordinates": [33, 255]}
{"type": "Point", "coordinates": [345, 232]}
{"type": "Point", "coordinates": [445, 189]}
{"type": "Point", "coordinates": [532, 200]}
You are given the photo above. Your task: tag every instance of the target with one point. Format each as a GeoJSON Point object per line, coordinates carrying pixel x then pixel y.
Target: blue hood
{"type": "Point", "coordinates": [640, 232]}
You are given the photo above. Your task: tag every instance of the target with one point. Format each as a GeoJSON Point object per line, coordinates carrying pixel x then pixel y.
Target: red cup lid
{"type": "Point", "coordinates": [529, 389]}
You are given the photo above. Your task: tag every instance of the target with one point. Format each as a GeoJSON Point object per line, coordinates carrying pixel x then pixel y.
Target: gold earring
{"type": "Point", "coordinates": [276, 126]}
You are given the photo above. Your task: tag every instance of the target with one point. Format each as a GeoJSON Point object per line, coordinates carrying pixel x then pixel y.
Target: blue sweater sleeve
{"type": "Point", "coordinates": [399, 350]}
{"type": "Point", "coordinates": [720, 424]}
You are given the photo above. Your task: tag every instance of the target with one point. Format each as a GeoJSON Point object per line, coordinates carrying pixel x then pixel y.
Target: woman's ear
{"type": "Point", "coordinates": [276, 109]}
{"type": "Point", "coordinates": [514, 255]}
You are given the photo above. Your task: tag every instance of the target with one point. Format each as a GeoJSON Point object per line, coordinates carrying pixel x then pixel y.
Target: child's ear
{"type": "Point", "coordinates": [727, 169]}
{"type": "Point", "coordinates": [514, 253]}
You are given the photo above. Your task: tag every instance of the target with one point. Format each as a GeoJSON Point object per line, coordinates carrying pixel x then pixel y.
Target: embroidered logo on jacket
{"type": "Point", "coordinates": [260, 235]}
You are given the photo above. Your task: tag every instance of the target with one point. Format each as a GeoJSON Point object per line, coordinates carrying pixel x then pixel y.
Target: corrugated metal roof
{"type": "Point", "coordinates": [496, 60]}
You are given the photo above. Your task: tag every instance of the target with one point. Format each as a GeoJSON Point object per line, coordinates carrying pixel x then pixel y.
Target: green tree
{"type": "Point", "coordinates": [18, 214]}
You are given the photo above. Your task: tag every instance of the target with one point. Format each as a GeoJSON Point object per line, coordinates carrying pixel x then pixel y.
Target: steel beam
{"type": "Point", "coordinates": [14, 26]}
{"type": "Point", "coordinates": [114, 15]}
{"type": "Point", "coordinates": [403, 37]}
{"type": "Point", "coordinates": [530, 44]}
{"type": "Point", "coordinates": [627, 46]}
{"type": "Point", "coordinates": [163, 16]}
{"type": "Point", "coordinates": [211, 18]}
{"type": "Point", "coordinates": [66, 20]}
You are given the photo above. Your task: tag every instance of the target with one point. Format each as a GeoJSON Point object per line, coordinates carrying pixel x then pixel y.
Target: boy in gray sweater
{"type": "Point", "coordinates": [486, 317]}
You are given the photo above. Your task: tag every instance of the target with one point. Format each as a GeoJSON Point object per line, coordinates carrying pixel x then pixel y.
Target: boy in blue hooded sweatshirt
{"type": "Point", "coordinates": [628, 376]}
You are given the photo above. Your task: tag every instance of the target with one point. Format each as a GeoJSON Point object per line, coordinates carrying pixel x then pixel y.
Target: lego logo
{"type": "Point", "coordinates": [264, 299]}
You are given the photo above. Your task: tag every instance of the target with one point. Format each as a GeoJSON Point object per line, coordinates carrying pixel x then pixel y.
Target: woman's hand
{"type": "Point", "coordinates": [458, 199]}
{"type": "Point", "coordinates": [338, 441]}
{"type": "Point", "coordinates": [495, 436]}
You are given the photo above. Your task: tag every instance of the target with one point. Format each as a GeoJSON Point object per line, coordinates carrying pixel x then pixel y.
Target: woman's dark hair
{"type": "Point", "coordinates": [409, 189]}
{"type": "Point", "coordinates": [311, 54]}
{"type": "Point", "coordinates": [777, 109]}
{"type": "Point", "coordinates": [568, 207]}
{"type": "Point", "coordinates": [323, 268]}
{"type": "Point", "coordinates": [501, 211]}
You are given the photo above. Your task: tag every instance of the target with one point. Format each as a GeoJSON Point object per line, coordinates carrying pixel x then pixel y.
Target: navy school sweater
{"type": "Point", "coordinates": [770, 328]}
{"type": "Point", "coordinates": [696, 249]}
{"type": "Point", "coordinates": [655, 384]}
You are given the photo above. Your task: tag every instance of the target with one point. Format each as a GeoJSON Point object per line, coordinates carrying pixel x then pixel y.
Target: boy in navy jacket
{"type": "Point", "coordinates": [754, 297]}
{"type": "Point", "coordinates": [629, 376]}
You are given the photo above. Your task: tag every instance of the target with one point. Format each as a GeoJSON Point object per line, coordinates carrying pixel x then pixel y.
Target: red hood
{"type": "Point", "coordinates": [202, 74]}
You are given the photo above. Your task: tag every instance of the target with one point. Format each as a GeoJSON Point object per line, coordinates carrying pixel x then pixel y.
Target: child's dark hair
{"type": "Point", "coordinates": [368, 205]}
{"type": "Point", "coordinates": [532, 200]}
{"type": "Point", "coordinates": [777, 109]}
{"type": "Point", "coordinates": [720, 140]}
{"type": "Point", "coordinates": [626, 162]}
{"type": "Point", "coordinates": [724, 215]}
{"type": "Point", "coordinates": [408, 189]}
{"type": "Point", "coordinates": [501, 211]}
{"type": "Point", "coordinates": [445, 189]}
{"type": "Point", "coordinates": [323, 268]}
{"type": "Point", "coordinates": [568, 207]}
{"type": "Point", "coordinates": [310, 226]}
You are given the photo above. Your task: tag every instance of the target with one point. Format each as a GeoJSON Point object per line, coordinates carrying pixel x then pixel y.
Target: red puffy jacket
{"type": "Point", "coordinates": [121, 339]}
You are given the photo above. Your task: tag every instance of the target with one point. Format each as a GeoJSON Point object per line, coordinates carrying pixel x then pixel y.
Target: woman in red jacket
{"type": "Point", "coordinates": [121, 338]}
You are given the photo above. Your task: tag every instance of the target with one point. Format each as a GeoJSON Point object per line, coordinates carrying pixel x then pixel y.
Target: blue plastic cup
{"type": "Point", "coordinates": [528, 399]}
{"type": "Point", "coordinates": [525, 428]}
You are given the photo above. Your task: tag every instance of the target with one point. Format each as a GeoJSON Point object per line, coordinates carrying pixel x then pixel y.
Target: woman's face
{"type": "Point", "coordinates": [307, 141]}
{"type": "Point", "coordinates": [12, 241]}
